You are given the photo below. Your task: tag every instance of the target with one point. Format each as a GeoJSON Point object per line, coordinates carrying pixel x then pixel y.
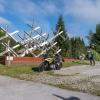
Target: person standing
{"type": "Point", "coordinates": [91, 58]}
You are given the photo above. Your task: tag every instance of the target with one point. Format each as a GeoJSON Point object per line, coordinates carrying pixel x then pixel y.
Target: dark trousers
{"type": "Point", "coordinates": [92, 61]}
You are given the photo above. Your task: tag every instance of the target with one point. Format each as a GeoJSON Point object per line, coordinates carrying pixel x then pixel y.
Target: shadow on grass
{"type": "Point", "coordinates": [70, 98]}
{"type": "Point", "coordinates": [35, 69]}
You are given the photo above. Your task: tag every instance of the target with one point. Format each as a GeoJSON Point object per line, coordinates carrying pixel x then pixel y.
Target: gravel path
{"type": "Point", "coordinates": [84, 71]}
{"type": "Point", "coordinates": [84, 78]}
{"type": "Point", "coordinates": [13, 89]}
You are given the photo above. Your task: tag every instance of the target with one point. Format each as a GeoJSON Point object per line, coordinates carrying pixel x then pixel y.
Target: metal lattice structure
{"type": "Point", "coordinates": [30, 43]}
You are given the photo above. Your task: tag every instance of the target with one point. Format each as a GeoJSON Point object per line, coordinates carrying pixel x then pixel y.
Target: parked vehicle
{"type": "Point", "coordinates": [50, 64]}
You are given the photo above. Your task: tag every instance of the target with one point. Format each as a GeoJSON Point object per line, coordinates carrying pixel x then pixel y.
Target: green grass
{"type": "Point", "coordinates": [96, 56]}
{"type": "Point", "coordinates": [15, 70]}
{"type": "Point", "coordinates": [74, 63]}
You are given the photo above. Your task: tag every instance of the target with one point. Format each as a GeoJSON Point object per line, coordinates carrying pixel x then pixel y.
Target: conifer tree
{"type": "Point", "coordinates": [78, 47]}
{"type": "Point", "coordinates": [1, 46]}
{"type": "Point", "coordinates": [62, 43]}
{"type": "Point", "coordinates": [95, 39]}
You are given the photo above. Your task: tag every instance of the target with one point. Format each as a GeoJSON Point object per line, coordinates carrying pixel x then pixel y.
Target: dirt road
{"type": "Point", "coordinates": [13, 89]}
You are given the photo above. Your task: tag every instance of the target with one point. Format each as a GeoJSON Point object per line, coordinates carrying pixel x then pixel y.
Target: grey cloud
{"type": "Point", "coordinates": [83, 9]}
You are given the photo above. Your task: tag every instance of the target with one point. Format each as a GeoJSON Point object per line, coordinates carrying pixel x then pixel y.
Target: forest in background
{"type": "Point", "coordinates": [71, 46]}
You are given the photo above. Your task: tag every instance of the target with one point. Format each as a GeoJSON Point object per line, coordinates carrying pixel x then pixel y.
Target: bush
{"type": "Point", "coordinates": [96, 55]}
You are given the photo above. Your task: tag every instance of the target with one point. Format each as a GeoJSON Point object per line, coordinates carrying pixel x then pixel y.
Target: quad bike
{"type": "Point", "coordinates": [50, 64]}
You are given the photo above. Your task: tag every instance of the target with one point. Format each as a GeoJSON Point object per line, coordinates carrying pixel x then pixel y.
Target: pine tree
{"type": "Point", "coordinates": [12, 42]}
{"type": "Point", "coordinates": [73, 48]}
{"type": "Point", "coordinates": [95, 39]}
{"type": "Point", "coordinates": [63, 44]}
{"type": "Point", "coordinates": [1, 46]}
{"type": "Point", "coordinates": [78, 47]}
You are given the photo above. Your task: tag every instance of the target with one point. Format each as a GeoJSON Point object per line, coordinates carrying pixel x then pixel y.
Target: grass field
{"type": "Point", "coordinates": [16, 70]}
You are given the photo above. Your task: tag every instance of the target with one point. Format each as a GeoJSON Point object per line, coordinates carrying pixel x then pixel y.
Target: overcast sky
{"type": "Point", "coordinates": [80, 16]}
